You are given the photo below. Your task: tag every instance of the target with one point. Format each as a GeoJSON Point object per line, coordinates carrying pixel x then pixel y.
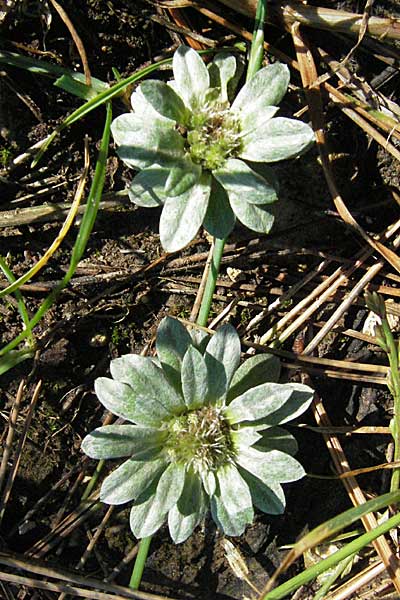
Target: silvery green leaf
{"type": "Point", "coordinates": [194, 378]}
{"type": "Point", "coordinates": [231, 505]}
{"type": "Point", "coordinates": [268, 498]}
{"type": "Point", "coordinates": [155, 398]}
{"type": "Point", "coordinates": [267, 172]}
{"type": "Point", "coordinates": [145, 516]}
{"type": "Point", "coordinates": [115, 441]}
{"type": "Point", "coordinates": [270, 465]}
{"type": "Point", "coordinates": [147, 187]}
{"type": "Point", "coordinates": [192, 493]}
{"type": "Point", "coordinates": [133, 477]}
{"type": "Point", "coordinates": [297, 403]}
{"type": "Point", "coordinates": [222, 358]}
{"type": "Point", "coordinates": [182, 215]}
{"type": "Point", "coordinates": [172, 341]}
{"type": "Point", "coordinates": [255, 217]}
{"type": "Point", "coordinates": [200, 339]}
{"type": "Point", "coordinates": [164, 100]}
{"type": "Point", "coordinates": [233, 83]}
{"type": "Point", "coordinates": [279, 139]}
{"type": "Point", "coordinates": [141, 145]}
{"type": "Point", "coordinates": [170, 487]}
{"type": "Point", "coordinates": [209, 483]}
{"type": "Point", "coordinates": [266, 88]}
{"type": "Point", "coordinates": [245, 436]}
{"type": "Point", "coordinates": [143, 109]}
{"type": "Point", "coordinates": [242, 184]}
{"type": "Point", "coordinates": [258, 402]}
{"type": "Point", "coordinates": [189, 510]}
{"type": "Point", "coordinates": [221, 71]}
{"type": "Point", "coordinates": [219, 220]}
{"type": "Point", "coordinates": [116, 397]}
{"type": "Point", "coordinates": [277, 438]}
{"type": "Point", "coordinates": [191, 76]}
{"type": "Point", "coordinates": [251, 123]}
{"type": "Point", "coordinates": [181, 177]}
{"type": "Point", "coordinates": [255, 370]}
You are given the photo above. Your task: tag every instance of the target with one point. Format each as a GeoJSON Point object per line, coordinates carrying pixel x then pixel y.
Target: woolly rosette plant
{"type": "Point", "coordinates": [201, 157]}
{"type": "Point", "coordinates": [204, 433]}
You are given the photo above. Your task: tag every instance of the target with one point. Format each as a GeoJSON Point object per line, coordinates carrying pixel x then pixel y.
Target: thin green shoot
{"type": "Point", "coordinates": [70, 81]}
{"type": "Point", "coordinates": [344, 553]}
{"type": "Point", "coordinates": [20, 300]}
{"type": "Point", "coordinates": [257, 45]}
{"type": "Point", "coordinates": [211, 282]}
{"type": "Point", "coordinates": [140, 562]}
{"type": "Point", "coordinates": [337, 572]}
{"type": "Point", "coordinates": [385, 339]}
{"type": "Point", "coordinates": [82, 238]}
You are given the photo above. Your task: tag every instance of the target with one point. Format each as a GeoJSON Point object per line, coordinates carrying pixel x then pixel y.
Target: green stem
{"type": "Point", "coordinates": [206, 301]}
{"type": "Point", "coordinates": [140, 561]}
{"type": "Point", "coordinates": [257, 44]}
{"type": "Point", "coordinates": [21, 303]}
{"type": "Point", "coordinates": [394, 386]}
{"type": "Point", "coordinates": [311, 573]}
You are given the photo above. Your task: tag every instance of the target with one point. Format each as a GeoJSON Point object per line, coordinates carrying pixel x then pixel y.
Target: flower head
{"type": "Point", "coordinates": [192, 146]}
{"type": "Point", "coordinates": [204, 433]}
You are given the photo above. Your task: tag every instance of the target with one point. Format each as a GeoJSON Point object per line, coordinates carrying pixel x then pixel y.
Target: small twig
{"type": "Point", "coordinates": [95, 537]}
{"type": "Point", "coordinates": [40, 503]}
{"type": "Point", "coordinates": [12, 421]}
{"type": "Point", "coordinates": [128, 558]}
{"type": "Point", "coordinates": [18, 452]}
{"type": "Point", "coordinates": [43, 569]}
{"type": "Point", "coordinates": [208, 42]}
{"type": "Point", "coordinates": [348, 301]}
{"type": "Point", "coordinates": [69, 524]}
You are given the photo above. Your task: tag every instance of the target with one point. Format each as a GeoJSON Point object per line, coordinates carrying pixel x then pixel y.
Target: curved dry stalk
{"type": "Point", "coordinates": [61, 235]}
{"type": "Point", "coordinates": [309, 75]}
{"type": "Point", "coordinates": [77, 40]}
{"type": "Point", "coordinates": [319, 18]}
{"type": "Point", "coordinates": [181, 20]}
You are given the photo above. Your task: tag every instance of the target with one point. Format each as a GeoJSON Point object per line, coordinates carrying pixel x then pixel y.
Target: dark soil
{"type": "Point", "coordinates": [121, 291]}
